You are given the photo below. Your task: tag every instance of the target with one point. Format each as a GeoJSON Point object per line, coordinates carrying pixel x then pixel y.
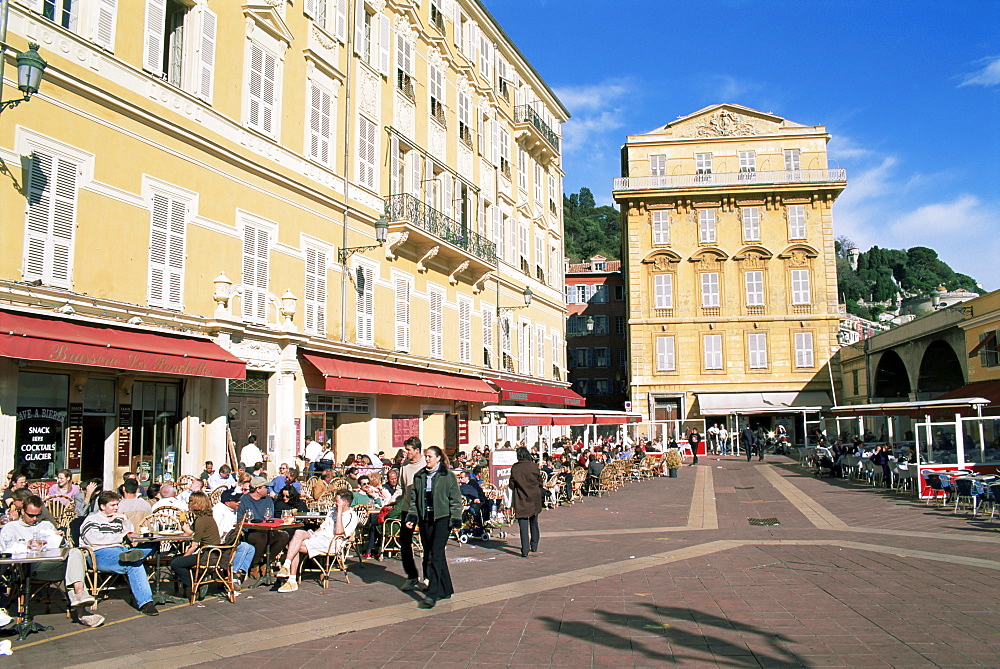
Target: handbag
{"type": "Point", "coordinates": [322, 462]}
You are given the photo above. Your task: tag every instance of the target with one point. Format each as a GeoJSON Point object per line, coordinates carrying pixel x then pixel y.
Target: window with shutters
{"type": "Point", "coordinates": [262, 90]}
{"type": "Point", "coordinates": [367, 151]}
{"type": "Point", "coordinates": [505, 342]}
{"type": "Point", "coordinates": [621, 357]}
{"type": "Point", "coordinates": [404, 67]}
{"type": "Point", "coordinates": [602, 357]}
{"type": "Point", "coordinates": [437, 106]}
{"type": "Point", "coordinates": [315, 291]}
{"type": "Point", "coordinates": [485, 56]}
{"type": "Point", "coordinates": [556, 352]}
{"type": "Point", "coordinates": [601, 326]}
{"type": "Point", "coordinates": [522, 170]}
{"type": "Point", "coordinates": [402, 311]}
{"type": "Point", "coordinates": [706, 226]}
{"type": "Point", "coordinates": [713, 351]}
{"type": "Point", "coordinates": [486, 311]}
{"type": "Point", "coordinates": [665, 354]}
{"type": "Point", "coordinates": [796, 221]}
{"type": "Point", "coordinates": [703, 167]}
{"type": "Point", "coordinates": [658, 165]}
{"type": "Point", "coordinates": [803, 349]}
{"type": "Point", "coordinates": [751, 223]}
{"type": "Point", "coordinates": [93, 19]}
{"type": "Point", "coordinates": [989, 349]}
{"type": "Point", "coordinates": [709, 289]}
{"type": "Point", "coordinates": [539, 349]}
{"type": "Point", "coordinates": [663, 291]}
{"type": "Point", "coordinates": [168, 232]}
{"type": "Point", "coordinates": [256, 272]}
{"type": "Point", "coordinates": [600, 294]}
{"type": "Point", "coordinates": [538, 183]}
{"type": "Point", "coordinates": [320, 139]}
{"type": "Point", "coordinates": [800, 286]}
{"type": "Point", "coordinates": [464, 119]}
{"type": "Point", "coordinates": [364, 286]}
{"type": "Point", "coordinates": [754, 282]}
{"type": "Point", "coordinates": [748, 165]}
{"type": "Point", "coordinates": [522, 245]}
{"type": "Point", "coordinates": [464, 330]}
{"type": "Point", "coordinates": [436, 300]}
{"type": "Point", "coordinates": [50, 226]}
{"type": "Point", "coordinates": [437, 15]}
{"type": "Point", "coordinates": [553, 195]}
{"type": "Point", "coordinates": [619, 325]}
{"type": "Point", "coordinates": [661, 226]}
{"type": "Point", "coordinates": [793, 160]}
{"type": "Point", "coordinates": [504, 145]}
{"type": "Point", "coordinates": [63, 12]}
{"type": "Point", "coordinates": [757, 348]}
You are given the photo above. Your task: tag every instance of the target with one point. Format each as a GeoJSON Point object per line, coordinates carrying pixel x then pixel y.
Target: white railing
{"type": "Point", "coordinates": [731, 179]}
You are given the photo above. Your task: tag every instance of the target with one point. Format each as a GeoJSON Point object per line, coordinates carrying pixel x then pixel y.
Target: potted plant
{"type": "Point", "coordinates": [672, 461]}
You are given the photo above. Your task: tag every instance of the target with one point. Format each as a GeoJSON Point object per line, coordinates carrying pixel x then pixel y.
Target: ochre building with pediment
{"type": "Point", "coordinates": [731, 269]}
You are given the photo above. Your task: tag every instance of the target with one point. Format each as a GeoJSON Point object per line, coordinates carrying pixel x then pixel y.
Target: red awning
{"type": "Point", "coordinates": [582, 418]}
{"type": "Point", "coordinates": [986, 389]}
{"type": "Point", "coordinates": [517, 391]}
{"type": "Point", "coordinates": [49, 339]}
{"type": "Point", "coordinates": [521, 419]}
{"type": "Point", "coordinates": [354, 376]}
{"type": "Point", "coordinates": [617, 419]}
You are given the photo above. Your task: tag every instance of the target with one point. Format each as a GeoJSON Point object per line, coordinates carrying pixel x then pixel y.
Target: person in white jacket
{"type": "Point", "coordinates": [327, 540]}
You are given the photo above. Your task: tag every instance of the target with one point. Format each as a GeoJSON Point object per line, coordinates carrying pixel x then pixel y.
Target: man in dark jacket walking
{"type": "Point", "coordinates": [526, 484]}
{"type": "Point", "coordinates": [746, 441]}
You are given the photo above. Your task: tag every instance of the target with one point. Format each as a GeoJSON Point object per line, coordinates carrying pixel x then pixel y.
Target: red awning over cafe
{"type": "Point", "coordinates": [356, 376]}
{"type": "Point", "coordinates": [519, 391]}
{"type": "Point", "coordinates": [94, 344]}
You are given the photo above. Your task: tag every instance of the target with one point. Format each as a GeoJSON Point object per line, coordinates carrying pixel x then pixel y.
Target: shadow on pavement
{"type": "Point", "coordinates": [726, 652]}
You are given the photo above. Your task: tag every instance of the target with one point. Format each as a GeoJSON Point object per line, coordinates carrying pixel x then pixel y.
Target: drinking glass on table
{"type": "Point", "coordinates": [36, 543]}
{"type": "Point", "coordinates": [268, 511]}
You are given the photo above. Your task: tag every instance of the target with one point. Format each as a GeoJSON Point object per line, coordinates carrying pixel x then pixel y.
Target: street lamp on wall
{"type": "Point", "coordinates": [30, 67]}
{"type": "Point", "coordinates": [590, 329]}
{"type": "Point", "coordinates": [381, 232]}
{"type": "Point", "coordinates": [527, 302]}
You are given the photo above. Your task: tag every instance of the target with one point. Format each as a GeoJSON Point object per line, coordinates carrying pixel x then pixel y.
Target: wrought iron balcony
{"type": "Point", "coordinates": [405, 207]}
{"type": "Point", "coordinates": [525, 114]}
{"type": "Point", "coordinates": [742, 179]}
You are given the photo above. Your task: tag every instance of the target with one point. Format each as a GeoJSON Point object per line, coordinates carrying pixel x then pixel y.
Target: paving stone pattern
{"type": "Point", "coordinates": [666, 571]}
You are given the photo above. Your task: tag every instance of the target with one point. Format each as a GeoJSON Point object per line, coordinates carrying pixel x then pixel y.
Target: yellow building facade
{"type": "Point", "coordinates": [202, 175]}
{"type": "Point", "coordinates": [732, 285]}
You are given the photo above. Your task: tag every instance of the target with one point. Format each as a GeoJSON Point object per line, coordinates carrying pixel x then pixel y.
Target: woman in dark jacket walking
{"type": "Point", "coordinates": [526, 484]}
{"type": "Point", "coordinates": [435, 502]}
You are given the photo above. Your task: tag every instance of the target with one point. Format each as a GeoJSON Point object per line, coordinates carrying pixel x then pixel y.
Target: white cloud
{"type": "Point", "coordinates": [579, 99]}
{"type": "Point", "coordinates": [842, 147]}
{"type": "Point", "coordinates": [987, 75]}
{"type": "Point", "coordinates": [727, 88]}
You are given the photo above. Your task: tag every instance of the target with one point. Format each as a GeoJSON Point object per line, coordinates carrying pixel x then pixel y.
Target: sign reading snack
{"type": "Point", "coordinates": [39, 439]}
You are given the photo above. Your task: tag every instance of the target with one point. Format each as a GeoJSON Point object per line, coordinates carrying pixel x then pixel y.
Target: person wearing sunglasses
{"type": "Point", "coordinates": [31, 532]}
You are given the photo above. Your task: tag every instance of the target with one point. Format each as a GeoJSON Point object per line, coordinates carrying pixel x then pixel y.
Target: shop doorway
{"type": "Point", "coordinates": [247, 412]}
{"type": "Point", "coordinates": [96, 430]}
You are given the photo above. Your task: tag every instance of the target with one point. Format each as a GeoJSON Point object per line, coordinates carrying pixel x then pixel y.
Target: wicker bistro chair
{"type": "Point", "coordinates": [359, 540]}
{"type": "Point", "coordinates": [62, 509]}
{"type": "Point", "coordinates": [579, 479]}
{"type": "Point", "coordinates": [390, 538]}
{"type": "Point", "coordinates": [335, 557]}
{"type": "Point", "coordinates": [215, 565]}
{"type": "Point", "coordinates": [182, 481]}
{"type": "Point", "coordinates": [216, 495]}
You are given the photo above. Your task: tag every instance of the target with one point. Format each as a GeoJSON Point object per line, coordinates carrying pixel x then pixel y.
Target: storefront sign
{"type": "Point", "coordinates": [501, 461]}
{"type": "Point", "coordinates": [404, 427]}
{"type": "Point", "coordinates": [124, 434]}
{"type": "Point", "coordinates": [74, 441]}
{"type": "Point", "coordinates": [39, 435]}
{"type": "Point", "coordinates": [143, 362]}
{"type": "Point", "coordinates": [463, 426]}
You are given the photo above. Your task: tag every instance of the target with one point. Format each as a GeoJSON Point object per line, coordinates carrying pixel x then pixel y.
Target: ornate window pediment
{"type": "Point", "coordinates": [798, 255]}
{"type": "Point", "coordinates": [753, 257]}
{"type": "Point", "coordinates": [267, 15]}
{"type": "Point", "coordinates": [662, 261]}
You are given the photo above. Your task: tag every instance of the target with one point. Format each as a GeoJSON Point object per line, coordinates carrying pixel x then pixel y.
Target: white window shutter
{"type": "Point", "coordinates": [495, 141]}
{"type": "Point", "coordinates": [255, 274]}
{"type": "Point", "coordinates": [402, 314]}
{"type": "Point", "coordinates": [413, 165]}
{"type": "Point", "coordinates": [385, 45]}
{"type": "Point", "coordinates": [487, 316]}
{"type": "Point", "coordinates": [206, 55]}
{"type": "Point", "coordinates": [158, 245]}
{"type": "Point", "coordinates": [447, 194]}
{"type": "Point", "coordinates": [365, 305]}
{"type": "Point", "coordinates": [103, 23]}
{"type": "Point", "coordinates": [436, 324]}
{"type": "Point", "coordinates": [309, 292]}
{"type": "Point", "coordinates": [33, 5]}
{"type": "Point", "coordinates": [464, 331]}
{"type": "Point", "coordinates": [340, 25]}
{"type": "Point", "coordinates": [156, 16]}
{"type": "Point", "coordinates": [359, 26]}
{"type": "Point", "coordinates": [394, 165]}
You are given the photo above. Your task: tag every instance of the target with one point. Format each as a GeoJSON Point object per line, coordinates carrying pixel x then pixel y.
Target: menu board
{"type": "Point", "coordinates": [404, 427]}
{"type": "Point", "coordinates": [39, 435]}
{"type": "Point", "coordinates": [74, 440]}
{"type": "Point", "coordinates": [124, 434]}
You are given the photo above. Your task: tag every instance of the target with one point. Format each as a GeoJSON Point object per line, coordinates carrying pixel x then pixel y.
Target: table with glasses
{"type": "Point", "coordinates": [160, 597]}
{"type": "Point", "coordinates": [287, 523]}
{"type": "Point", "coordinates": [22, 568]}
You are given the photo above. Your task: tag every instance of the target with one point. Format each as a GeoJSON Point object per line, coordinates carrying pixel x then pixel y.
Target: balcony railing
{"type": "Point", "coordinates": [406, 207]}
{"type": "Point", "coordinates": [525, 114]}
{"type": "Point", "coordinates": [731, 179]}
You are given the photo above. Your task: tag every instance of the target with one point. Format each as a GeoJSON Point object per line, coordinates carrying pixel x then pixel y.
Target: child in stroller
{"type": "Point", "coordinates": [476, 511]}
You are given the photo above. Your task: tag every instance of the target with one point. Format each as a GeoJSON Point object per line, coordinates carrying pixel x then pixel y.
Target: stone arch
{"type": "Point", "coordinates": [891, 381]}
{"type": "Point", "coordinates": [940, 369]}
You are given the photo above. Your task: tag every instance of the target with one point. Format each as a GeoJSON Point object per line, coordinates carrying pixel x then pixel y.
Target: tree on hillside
{"type": "Point", "coordinates": [590, 230]}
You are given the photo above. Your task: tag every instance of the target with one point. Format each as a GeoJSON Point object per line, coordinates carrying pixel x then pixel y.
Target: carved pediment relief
{"type": "Point", "coordinates": [753, 257]}
{"type": "Point", "coordinates": [267, 16]}
{"type": "Point", "coordinates": [709, 260]}
{"type": "Point", "coordinates": [798, 255]}
{"type": "Point", "coordinates": [662, 261]}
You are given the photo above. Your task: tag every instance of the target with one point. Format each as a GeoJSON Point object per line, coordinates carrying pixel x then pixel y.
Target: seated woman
{"type": "Point", "coordinates": [202, 526]}
{"type": "Point", "coordinates": [335, 531]}
{"type": "Point", "coordinates": [289, 499]}
{"type": "Point", "coordinates": [64, 486]}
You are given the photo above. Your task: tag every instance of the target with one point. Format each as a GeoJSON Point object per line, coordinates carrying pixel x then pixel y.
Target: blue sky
{"type": "Point", "coordinates": [909, 91]}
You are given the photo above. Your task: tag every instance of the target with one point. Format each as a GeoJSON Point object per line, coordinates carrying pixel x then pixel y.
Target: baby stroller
{"type": "Point", "coordinates": [473, 525]}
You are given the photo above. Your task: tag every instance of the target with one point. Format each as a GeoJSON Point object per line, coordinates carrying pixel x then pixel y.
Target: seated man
{"type": "Point", "coordinates": [15, 508]}
{"type": "Point", "coordinates": [258, 505]}
{"type": "Point", "coordinates": [195, 485]}
{"type": "Point", "coordinates": [168, 499]}
{"type": "Point", "coordinates": [323, 485]}
{"type": "Point", "coordinates": [225, 517]}
{"type": "Point", "coordinates": [206, 474]}
{"type": "Point", "coordinates": [105, 531]}
{"type": "Point", "coordinates": [338, 528]}
{"type": "Point", "coordinates": [286, 476]}
{"type": "Point", "coordinates": [15, 537]}
{"type": "Point", "coordinates": [223, 478]}
{"type": "Point", "coordinates": [134, 507]}
{"type": "Point", "coordinates": [474, 497]}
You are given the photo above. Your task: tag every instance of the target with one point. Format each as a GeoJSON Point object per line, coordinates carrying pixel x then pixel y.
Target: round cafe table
{"type": "Point", "coordinates": [269, 579]}
{"type": "Point", "coordinates": [22, 568]}
{"type": "Point", "coordinates": [160, 597]}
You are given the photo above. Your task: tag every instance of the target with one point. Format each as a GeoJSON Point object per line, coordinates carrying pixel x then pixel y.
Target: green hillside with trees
{"type": "Point", "coordinates": [590, 230]}
{"type": "Point", "coordinates": [883, 274]}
